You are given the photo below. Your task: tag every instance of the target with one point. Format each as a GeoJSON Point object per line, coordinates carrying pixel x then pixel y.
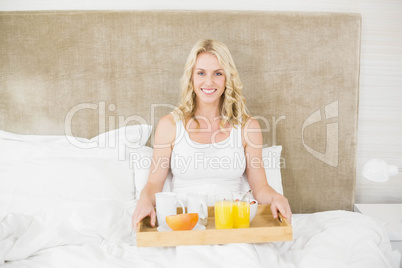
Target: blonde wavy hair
{"type": "Point", "coordinates": [232, 105]}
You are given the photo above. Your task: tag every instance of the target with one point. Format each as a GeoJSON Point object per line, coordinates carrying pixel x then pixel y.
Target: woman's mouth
{"type": "Point", "coordinates": [208, 91]}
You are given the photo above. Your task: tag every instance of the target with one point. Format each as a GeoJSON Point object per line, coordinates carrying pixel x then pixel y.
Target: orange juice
{"type": "Point", "coordinates": [223, 214]}
{"type": "Point", "coordinates": [241, 214]}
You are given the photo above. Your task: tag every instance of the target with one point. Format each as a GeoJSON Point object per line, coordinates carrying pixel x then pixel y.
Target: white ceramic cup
{"type": "Point", "coordinates": [197, 203]}
{"type": "Point", "coordinates": [166, 205]}
{"type": "Point", "coordinates": [253, 209]}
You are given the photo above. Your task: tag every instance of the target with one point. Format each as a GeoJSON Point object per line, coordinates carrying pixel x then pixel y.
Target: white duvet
{"type": "Point", "coordinates": [61, 206]}
{"type": "Point", "coordinates": [325, 239]}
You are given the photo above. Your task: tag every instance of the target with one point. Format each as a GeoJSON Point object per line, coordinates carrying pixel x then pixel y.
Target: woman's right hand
{"type": "Point", "coordinates": [144, 208]}
{"type": "Point", "coordinates": [164, 137]}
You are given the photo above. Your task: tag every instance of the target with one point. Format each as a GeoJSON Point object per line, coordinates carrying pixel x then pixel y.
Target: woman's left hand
{"type": "Point", "coordinates": [281, 204]}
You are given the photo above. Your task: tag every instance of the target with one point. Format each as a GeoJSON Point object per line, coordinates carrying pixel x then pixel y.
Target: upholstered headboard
{"type": "Point", "coordinates": [95, 70]}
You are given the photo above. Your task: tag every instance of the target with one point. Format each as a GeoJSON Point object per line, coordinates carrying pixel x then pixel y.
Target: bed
{"type": "Point", "coordinates": [82, 92]}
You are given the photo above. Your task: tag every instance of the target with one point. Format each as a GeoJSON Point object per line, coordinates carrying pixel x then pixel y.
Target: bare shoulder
{"type": "Point", "coordinates": [252, 123]}
{"type": "Point", "coordinates": [167, 122]}
{"type": "Point", "coordinates": [251, 133]}
{"type": "Point", "coordinates": [165, 132]}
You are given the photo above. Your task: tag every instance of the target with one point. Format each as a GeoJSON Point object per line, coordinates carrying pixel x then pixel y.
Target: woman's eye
{"type": "Point", "coordinates": [218, 74]}
{"type": "Point", "coordinates": [200, 73]}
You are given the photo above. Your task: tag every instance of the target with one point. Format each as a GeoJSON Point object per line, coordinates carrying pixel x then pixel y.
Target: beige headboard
{"type": "Point", "coordinates": [91, 69]}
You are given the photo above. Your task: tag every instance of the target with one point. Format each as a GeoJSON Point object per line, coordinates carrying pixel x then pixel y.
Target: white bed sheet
{"type": "Point", "coordinates": [324, 239]}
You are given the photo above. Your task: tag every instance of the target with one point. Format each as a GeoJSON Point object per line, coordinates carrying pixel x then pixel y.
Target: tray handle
{"type": "Point", "coordinates": [139, 226]}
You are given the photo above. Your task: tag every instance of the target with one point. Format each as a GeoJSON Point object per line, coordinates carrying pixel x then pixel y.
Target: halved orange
{"type": "Point", "coordinates": [180, 222]}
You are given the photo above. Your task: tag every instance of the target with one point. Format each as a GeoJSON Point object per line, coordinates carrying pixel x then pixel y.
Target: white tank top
{"type": "Point", "coordinates": [212, 168]}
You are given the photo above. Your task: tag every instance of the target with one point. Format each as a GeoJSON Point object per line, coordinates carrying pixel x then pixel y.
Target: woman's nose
{"type": "Point", "coordinates": [209, 80]}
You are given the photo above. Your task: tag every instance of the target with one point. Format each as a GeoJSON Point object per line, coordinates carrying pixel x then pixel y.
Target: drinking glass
{"type": "Point", "coordinates": [223, 211]}
{"type": "Point", "coordinates": [241, 210]}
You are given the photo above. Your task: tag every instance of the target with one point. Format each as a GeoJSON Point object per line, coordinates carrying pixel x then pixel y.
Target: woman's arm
{"type": "Point", "coordinates": [164, 138]}
{"type": "Point", "coordinates": [255, 172]}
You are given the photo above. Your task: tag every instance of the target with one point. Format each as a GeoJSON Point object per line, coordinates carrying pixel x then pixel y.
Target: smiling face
{"type": "Point", "coordinates": [208, 79]}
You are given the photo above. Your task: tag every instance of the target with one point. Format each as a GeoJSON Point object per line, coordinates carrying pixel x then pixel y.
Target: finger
{"type": "Point", "coordinates": [153, 218]}
{"type": "Point", "coordinates": [278, 208]}
{"type": "Point", "coordinates": [139, 218]}
{"type": "Point", "coordinates": [286, 213]}
{"type": "Point", "coordinates": [289, 217]}
{"type": "Point", "coordinates": [274, 211]}
{"type": "Point", "coordinates": [283, 212]}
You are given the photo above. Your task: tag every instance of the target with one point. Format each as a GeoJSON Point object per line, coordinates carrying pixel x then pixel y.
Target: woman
{"type": "Point", "coordinates": [209, 140]}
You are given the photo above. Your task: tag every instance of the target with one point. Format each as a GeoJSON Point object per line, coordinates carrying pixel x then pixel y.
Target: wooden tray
{"type": "Point", "coordinates": [264, 228]}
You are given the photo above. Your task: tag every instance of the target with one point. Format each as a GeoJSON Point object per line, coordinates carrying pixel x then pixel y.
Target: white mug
{"type": "Point", "coordinates": [197, 203]}
{"type": "Point", "coordinates": [166, 206]}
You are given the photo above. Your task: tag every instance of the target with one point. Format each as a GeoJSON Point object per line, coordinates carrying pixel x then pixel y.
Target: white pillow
{"type": "Point", "coordinates": [140, 161]}
{"type": "Point", "coordinates": [141, 158]}
{"type": "Point", "coordinates": [34, 185]}
{"type": "Point", "coordinates": [271, 157]}
{"type": "Point", "coordinates": [115, 144]}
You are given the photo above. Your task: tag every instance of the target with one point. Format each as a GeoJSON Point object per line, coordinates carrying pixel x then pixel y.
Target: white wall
{"type": "Point", "coordinates": [380, 112]}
